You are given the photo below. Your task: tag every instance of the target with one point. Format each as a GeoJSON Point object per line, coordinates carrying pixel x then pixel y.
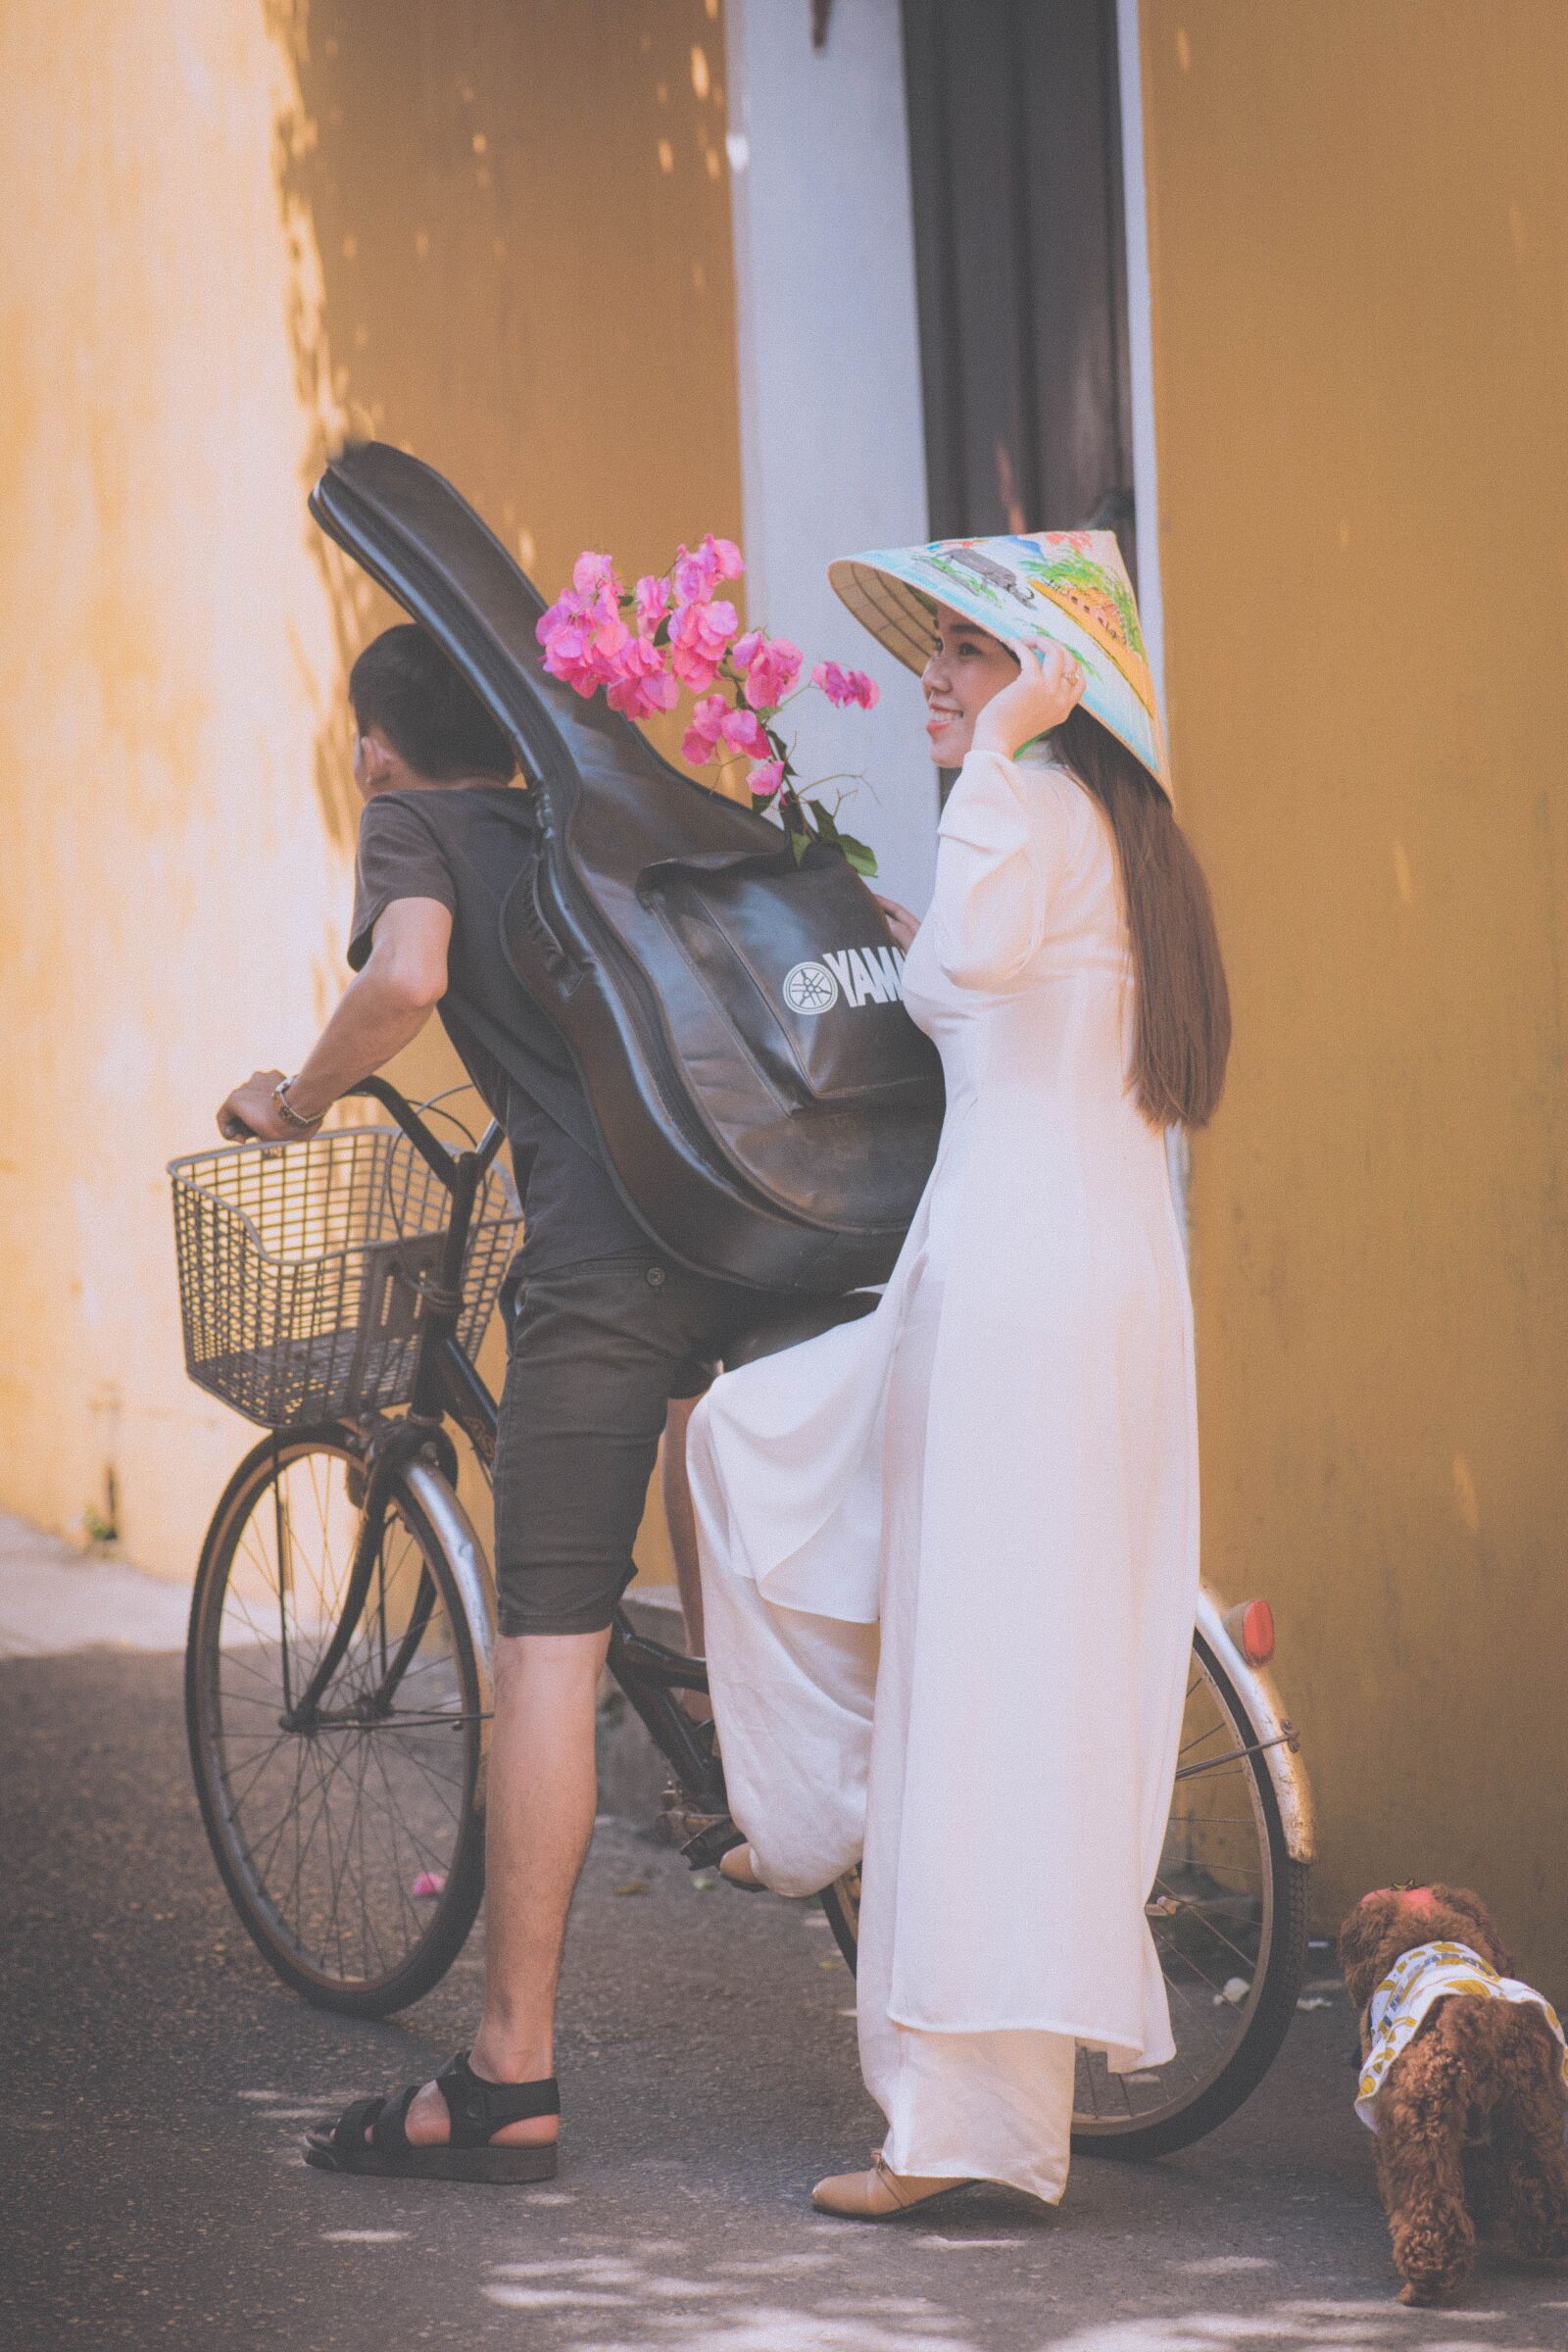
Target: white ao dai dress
{"type": "Point", "coordinates": [950, 1553]}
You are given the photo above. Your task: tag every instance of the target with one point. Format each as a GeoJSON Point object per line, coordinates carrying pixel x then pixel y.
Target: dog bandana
{"type": "Point", "coordinates": [1416, 1980]}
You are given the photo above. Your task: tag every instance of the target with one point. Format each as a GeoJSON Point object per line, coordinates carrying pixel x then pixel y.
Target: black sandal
{"type": "Point", "coordinates": [477, 2110]}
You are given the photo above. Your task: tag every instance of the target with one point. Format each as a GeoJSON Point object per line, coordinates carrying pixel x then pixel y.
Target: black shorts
{"type": "Point", "coordinates": [597, 1350]}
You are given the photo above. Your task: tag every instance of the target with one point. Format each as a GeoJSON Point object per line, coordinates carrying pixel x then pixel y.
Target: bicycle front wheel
{"type": "Point", "coordinates": [351, 1844]}
{"type": "Point", "coordinates": [1227, 1914]}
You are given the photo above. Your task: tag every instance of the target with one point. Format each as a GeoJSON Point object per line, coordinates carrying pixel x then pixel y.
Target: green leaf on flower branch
{"type": "Point", "coordinates": [859, 852]}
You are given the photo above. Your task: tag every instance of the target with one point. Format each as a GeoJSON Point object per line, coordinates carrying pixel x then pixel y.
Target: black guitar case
{"type": "Point", "coordinates": [766, 1104]}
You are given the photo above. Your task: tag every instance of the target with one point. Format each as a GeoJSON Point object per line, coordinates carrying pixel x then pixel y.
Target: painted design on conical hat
{"type": "Point", "coordinates": [1068, 586]}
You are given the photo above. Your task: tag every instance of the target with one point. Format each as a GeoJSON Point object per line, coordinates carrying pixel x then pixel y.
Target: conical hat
{"type": "Point", "coordinates": [1068, 586]}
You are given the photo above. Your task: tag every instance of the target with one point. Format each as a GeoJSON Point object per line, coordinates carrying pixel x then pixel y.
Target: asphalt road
{"type": "Point", "coordinates": [156, 2080]}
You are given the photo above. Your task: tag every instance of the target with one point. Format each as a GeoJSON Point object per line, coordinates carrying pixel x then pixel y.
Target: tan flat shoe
{"type": "Point", "coordinates": [739, 1866]}
{"type": "Point", "coordinates": [881, 2195]}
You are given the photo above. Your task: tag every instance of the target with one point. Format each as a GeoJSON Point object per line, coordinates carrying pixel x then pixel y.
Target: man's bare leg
{"type": "Point", "coordinates": [541, 1793]}
{"type": "Point", "coordinates": [681, 1519]}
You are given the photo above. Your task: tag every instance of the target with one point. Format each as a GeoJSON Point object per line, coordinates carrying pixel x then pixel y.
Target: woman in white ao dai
{"type": "Point", "coordinates": [950, 1553]}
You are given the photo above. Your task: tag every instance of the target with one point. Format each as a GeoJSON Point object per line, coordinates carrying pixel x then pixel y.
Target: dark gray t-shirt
{"type": "Point", "coordinates": [463, 845]}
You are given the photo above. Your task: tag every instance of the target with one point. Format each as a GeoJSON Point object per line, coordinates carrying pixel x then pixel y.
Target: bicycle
{"type": "Point", "coordinates": [337, 1674]}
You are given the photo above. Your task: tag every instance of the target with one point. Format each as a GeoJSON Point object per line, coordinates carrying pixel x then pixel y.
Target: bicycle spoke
{"type": "Point", "coordinates": [335, 1872]}
{"type": "Point", "coordinates": [399, 1875]}
{"type": "Point", "coordinates": [366, 1929]}
{"type": "Point", "coordinates": [255, 1766]}
{"type": "Point", "coordinates": [1212, 1732]}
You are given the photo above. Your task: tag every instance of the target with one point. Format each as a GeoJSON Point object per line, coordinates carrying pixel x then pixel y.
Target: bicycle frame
{"type": "Point", "coordinates": [445, 1385]}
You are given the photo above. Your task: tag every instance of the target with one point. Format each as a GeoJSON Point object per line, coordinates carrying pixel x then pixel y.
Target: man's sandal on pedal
{"type": "Point", "coordinates": [476, 2110]}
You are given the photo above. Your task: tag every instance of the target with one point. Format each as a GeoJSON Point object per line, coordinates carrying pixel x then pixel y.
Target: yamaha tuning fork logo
{"type": "Point", "coordinates": [861, 975]}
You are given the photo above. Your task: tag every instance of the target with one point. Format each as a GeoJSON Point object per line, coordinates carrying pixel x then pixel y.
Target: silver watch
{"type": "Point", "coordinates": [287, 1110]}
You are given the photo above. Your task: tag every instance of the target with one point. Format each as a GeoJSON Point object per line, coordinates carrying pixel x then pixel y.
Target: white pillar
{"type": "Point", "coordinates": [832, 436]}
{"type": "Point", "coordinates": [1146, 471]}
{"type": "Point", "coordinates": [1140, 340]}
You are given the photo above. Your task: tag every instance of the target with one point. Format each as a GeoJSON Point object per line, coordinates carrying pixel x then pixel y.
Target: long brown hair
{"type": "Point", "coordinates": [1183, 1005]}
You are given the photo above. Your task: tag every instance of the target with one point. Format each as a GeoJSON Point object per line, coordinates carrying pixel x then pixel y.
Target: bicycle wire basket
{"type": "Point", "coordinates": [300, 1267]}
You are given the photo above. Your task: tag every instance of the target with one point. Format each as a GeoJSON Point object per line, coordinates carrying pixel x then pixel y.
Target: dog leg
{"type": "Point", "coordinates": [1532, 2161]}
{"type": "Point", "coordinates": [1421, 2120]}
{"type": "Point", "coordinates": [1485, 2195]}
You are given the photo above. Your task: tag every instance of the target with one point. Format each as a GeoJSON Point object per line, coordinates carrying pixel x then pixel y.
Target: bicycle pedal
{"type": "Point", "coordinates": [700, 1836]}
{"type": "Point", "coordinates": [679, 1819]}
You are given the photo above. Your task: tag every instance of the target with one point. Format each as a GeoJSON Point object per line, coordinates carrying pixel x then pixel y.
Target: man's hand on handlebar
{"type": "Point", "coordinates": [250, 1111]}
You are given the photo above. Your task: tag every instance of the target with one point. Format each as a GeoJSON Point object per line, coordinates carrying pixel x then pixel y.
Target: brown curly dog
{"type": "Point", "coordinates": [1470, 2116]}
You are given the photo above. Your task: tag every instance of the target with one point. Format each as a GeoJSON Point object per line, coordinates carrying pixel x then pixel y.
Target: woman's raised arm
{"type": "Point", "coordinates": [999, 847]}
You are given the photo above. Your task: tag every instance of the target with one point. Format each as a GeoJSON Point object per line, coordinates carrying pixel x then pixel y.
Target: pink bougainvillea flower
{"type": "Point", "coordinates": [698, 573]}
{"type": "Point", "coordinates": [672, 631]}
{"type": "Point", "coordinates": [570, 619]}
{"type": "Point", "coordinates": [703, 735]}
{"type": "Point", "coordinates": [642, 683]}
{"type": "Point", "coordinates": [583, 634]}
{"type": "Point", "coordinates": [653, 602]}
{"type": "Point", "coordinates": [583, 645]}
{"type": "Point", "coordinates": [657, 693]}
{"type": "Point", "coordinates": [699, 637]}
{"type": "Point", "coordinates": [713, 724]}
{"type": "Point", "coordinates": [694, 576]}
{"type": "Point", "coordinates": [772, 665]}
{"type": "Point", "coordinates": [742, 731]}
{"type": "Point", "coordinates": [844, 686]}
{"type": "Point", "coordinates": [594, 578]}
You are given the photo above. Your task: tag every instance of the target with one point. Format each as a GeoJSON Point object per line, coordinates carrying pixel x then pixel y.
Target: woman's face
{"type": "Point", "coordinates": [968, 666]}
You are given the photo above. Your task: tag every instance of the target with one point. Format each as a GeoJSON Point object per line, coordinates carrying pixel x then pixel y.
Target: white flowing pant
{"type": "Point", "coordinates": [812, 1718]}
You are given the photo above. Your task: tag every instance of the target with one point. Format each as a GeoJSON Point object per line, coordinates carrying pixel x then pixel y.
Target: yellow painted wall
{"type": "Point", "coordinates": [1359, 225]}
{"type": "Point", "coordinates": [498, 235]}
{"type": "Point", "coordinates": [170, 889]}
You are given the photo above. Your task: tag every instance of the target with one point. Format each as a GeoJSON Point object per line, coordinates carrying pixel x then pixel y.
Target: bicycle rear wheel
{"type": "Point", "coordinates": [1228, 1913]}
{"type": "Point", "coordinates": [352, 1848]}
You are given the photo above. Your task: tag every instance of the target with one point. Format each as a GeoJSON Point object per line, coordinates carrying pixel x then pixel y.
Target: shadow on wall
{"type": "Point", "coordinates": [521, 218]}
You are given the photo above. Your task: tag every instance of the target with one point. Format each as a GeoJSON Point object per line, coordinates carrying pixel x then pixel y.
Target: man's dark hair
{"type": "Point", "coordinates": [404, 684]}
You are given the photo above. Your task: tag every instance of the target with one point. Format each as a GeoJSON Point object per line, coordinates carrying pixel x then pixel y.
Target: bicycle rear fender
{"type": "Point", "coordinates": [1270, 1722]}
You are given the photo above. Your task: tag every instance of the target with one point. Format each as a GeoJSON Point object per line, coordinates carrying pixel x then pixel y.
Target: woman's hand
{"type": "Point", "coordinates": [902, 924]}
{"type": "Point", "coordinates": [1048, 684]}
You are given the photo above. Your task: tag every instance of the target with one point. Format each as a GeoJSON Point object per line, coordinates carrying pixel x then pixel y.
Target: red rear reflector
{"type": "Point", "coordinates": [1257, 1632]}
{"type": "Point", "coordinates": [1251, 1626]}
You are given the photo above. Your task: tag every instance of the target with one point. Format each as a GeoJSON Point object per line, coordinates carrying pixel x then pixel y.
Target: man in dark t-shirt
{"type": "Point", "coordinates": [461, 849]}
{"type": "Point", "coordinates": [604, 1331]}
